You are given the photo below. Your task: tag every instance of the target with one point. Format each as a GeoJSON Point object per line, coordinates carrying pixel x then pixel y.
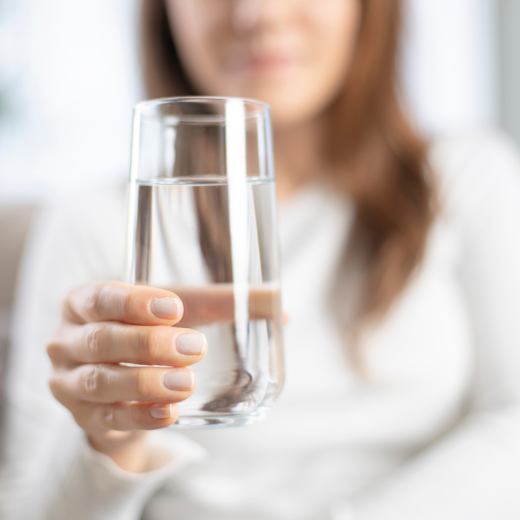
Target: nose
{"type": "Point", "coordinates": [248, 14]}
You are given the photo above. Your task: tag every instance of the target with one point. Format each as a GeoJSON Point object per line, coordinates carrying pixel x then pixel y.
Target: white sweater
{"type": "Point", "coordinates": [434, 434]}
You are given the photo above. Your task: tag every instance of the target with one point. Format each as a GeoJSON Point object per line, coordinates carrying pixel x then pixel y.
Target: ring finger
{"type": "Point", "coordinates": [107, 383]}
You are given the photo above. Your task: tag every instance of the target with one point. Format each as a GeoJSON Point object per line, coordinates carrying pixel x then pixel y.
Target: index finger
{"type": "Point", "coordinates": [117, 301]}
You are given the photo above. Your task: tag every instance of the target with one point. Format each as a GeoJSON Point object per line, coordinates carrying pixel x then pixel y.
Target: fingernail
{"type": "Point", "coordinates": [166, 308]}
{"type": "Point", "coordinates": [161, 411]}
{"type": "Point", "coordinates": [191, 344]}
{"type": "Point", "coordinates": [179, 380]}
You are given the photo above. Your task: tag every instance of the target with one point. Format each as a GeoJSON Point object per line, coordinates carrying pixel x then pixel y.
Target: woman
{"type": "Point", "coordinates": [403, 390]}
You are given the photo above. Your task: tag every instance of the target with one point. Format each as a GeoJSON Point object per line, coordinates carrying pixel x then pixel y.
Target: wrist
{"type": "Point", "coordinates": [129, 450]}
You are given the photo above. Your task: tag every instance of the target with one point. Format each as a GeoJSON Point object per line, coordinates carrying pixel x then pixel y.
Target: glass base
{"type": "Point", "coordinates": [218, 420]}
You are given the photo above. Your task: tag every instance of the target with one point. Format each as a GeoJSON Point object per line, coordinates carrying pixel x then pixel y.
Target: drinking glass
{"type": "Point", "coordinates": [202, 223]}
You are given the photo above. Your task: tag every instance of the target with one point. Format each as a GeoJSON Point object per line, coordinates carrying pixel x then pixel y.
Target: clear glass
{"type": "Point", "coordinates": [202, 223]}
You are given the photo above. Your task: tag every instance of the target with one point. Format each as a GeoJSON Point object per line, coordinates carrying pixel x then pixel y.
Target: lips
{"type": "Point", "coordinates": [261, 64]}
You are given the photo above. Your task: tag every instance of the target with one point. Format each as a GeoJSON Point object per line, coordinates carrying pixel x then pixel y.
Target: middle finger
{"type": "Point", "coordinates": [110, 342]}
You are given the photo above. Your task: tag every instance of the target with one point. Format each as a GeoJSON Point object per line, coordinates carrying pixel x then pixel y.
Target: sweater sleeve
{"type": "Point", "coordinates": [474, 470]}
{"type": "Point", "coordinates": [48, 469]}
{"type": "Point", "coordinates": [96, 487]}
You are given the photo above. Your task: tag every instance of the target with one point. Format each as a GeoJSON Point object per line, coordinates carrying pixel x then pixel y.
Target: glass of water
{"type": "Point", "coordinates": [202, 223]}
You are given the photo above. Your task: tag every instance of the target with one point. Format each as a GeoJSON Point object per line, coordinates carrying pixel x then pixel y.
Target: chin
{"type": "Point", "coordinates": [287, 113]}
{"type": "Point", "coordinates": [287, 108]}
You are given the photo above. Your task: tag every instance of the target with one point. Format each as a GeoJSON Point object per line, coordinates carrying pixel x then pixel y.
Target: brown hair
{"type": "Point", "coordinates": [380, 159]}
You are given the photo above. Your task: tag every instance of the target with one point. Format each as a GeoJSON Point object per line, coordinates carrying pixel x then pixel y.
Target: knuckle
{"type": "Point", "coordinates": [53, 349]}
{"type": "Point", "coordinates": [93, 341]}
{"type": "Point", "coordinates": [93, 304]}
{"type": "Point", "coordinates": [108, 417]}
{"type": "Point", "coordinates": [91, 381]}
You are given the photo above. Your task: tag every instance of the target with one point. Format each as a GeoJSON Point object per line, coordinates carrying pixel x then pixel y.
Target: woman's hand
{"type": "Point", "coordinates": [108, 324]}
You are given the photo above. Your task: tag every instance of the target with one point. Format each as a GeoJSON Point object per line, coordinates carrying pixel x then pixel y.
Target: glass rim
{"type": "Point", "coordinates": [253, 110]}
{"type": "Point", "coordinates": [149, 103]}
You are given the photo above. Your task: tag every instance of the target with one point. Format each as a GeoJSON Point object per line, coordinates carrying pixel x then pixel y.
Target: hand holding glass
{"type": "Point", "coordinates": [202, 224]}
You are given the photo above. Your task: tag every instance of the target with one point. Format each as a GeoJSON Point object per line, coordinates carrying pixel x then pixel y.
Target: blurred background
{"type": "Point", "coordinates": [69, 76]}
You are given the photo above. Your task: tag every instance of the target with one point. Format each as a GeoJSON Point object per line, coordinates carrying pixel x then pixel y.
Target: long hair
{"type": "Point", "coordinates": [380, 162]}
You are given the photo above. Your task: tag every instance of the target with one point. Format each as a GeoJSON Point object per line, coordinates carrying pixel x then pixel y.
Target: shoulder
{"type": "Point", "coordinates": [475, 168]}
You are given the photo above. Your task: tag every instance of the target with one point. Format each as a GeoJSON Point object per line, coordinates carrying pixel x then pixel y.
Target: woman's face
{"type": "Point", "coordinates": [292, 54]}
